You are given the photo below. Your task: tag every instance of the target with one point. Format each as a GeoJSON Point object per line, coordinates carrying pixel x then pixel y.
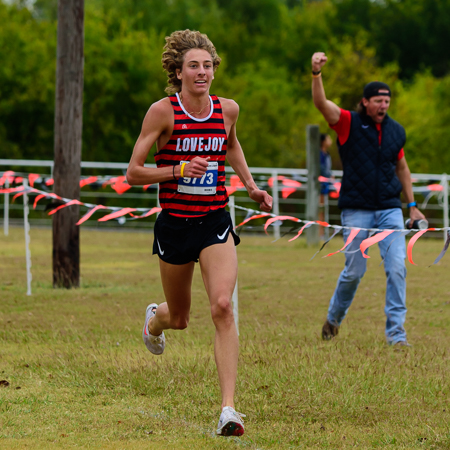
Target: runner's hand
{"type": "Point", "coordinates": [263, 198]}
{"type": "Point", "coordinates": [196, 168]}
{"type": "Point", "coordinates": [318, 60]}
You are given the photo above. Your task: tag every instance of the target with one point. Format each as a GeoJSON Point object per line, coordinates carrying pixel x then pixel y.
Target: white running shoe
{"type": "Point", "coordinates": [230, 423]}
{"type": "Point", "coordinates": [155, 344]}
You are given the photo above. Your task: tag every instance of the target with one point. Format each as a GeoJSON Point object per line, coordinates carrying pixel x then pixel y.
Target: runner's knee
{"type": "Point", "coordinates": [222, 310]}
{"type": "Point", "coordinates": [179, 322]}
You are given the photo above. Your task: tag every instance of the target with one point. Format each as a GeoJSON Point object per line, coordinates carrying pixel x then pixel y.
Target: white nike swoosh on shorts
{"type": "Point", "coordinates": [222, 236]}
{"type": "Point", "coordinates": [160, 250]}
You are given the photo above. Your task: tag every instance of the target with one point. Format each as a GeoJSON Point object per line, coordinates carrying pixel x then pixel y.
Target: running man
{"type": "Point", "coordinates": [194, 132]}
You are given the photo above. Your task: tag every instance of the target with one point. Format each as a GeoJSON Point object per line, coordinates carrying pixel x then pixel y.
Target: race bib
{"type": "Point", "coordinates": [206, 185]}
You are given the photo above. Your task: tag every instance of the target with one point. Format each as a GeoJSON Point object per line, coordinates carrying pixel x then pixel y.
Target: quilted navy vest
{"type": "Point", "coordinates": [369, 180]}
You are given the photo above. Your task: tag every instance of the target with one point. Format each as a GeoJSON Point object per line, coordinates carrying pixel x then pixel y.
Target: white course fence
{"type": "Point", "coordinates": [287, 186]}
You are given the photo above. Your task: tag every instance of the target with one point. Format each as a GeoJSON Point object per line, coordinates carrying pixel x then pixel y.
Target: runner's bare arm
{"type": "Point", "coordinates": [236, 158]}
{"type": "Point", "coordinates": [157, 122]}
{"type": "Point", "coordinates": [330, 111]}
{"type": "Point", "coordinates": [157, 127]}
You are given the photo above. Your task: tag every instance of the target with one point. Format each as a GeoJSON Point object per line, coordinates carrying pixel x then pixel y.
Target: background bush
{"type": "Point", "coordinates": [266, 46]}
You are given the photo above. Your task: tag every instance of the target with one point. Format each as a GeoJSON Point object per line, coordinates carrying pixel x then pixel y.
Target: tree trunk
{"type": "Point", "coordinates": [67, 145]}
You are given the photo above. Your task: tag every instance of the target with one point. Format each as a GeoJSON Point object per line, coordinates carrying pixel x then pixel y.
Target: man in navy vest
{"type": "Point", "coordinates": [375, 173]}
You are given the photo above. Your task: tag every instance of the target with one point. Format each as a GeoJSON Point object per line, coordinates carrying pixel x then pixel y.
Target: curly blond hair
{"type": "Point", "coordinates": [177, 45]}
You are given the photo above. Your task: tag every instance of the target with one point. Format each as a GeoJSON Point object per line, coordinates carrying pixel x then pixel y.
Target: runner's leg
{"type": "Point", "coordinates": [219, 270]}
{"type": "Point", "coordinates": [174, 312]}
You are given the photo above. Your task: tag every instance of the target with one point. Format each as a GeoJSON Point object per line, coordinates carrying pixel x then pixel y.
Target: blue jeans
{"type": "Point", "coordinates": [356, 264]}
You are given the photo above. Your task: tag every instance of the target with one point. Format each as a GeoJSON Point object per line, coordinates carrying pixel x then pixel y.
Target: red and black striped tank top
{"type": "Point", "coordinates": [191, 137]}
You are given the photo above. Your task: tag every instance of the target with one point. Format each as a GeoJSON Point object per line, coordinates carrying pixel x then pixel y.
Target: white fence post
{"type": "Point", "coordinates": [445, 205]}
{"type": "Point", "coordinates": [276, 204]}
{"type": "Point", "coordinates": [6, 210]}
{"type": "Point", "coordinates": [26, 226]}
{"type": "Point", "coordinates": [234, 297]}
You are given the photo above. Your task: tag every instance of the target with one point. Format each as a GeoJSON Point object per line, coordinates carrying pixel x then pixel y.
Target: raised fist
{"type": "Point", "coordinates": [318, 60]}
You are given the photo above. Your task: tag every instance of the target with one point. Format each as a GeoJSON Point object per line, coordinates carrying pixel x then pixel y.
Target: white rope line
{"type": "Point", "coordinates": [30, 190]}
{"type": "Point", "coordinates": [338, 226]}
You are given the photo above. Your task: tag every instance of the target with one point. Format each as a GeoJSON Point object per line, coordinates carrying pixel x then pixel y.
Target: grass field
{"type": "Point", "coordinates": [80, 376]}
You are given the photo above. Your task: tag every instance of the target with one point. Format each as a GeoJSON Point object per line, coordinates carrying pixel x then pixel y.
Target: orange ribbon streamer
{"type": "Point", "coordinates": [435, 187]}
{"type": "Point", "coordinates": [148, 213]}
{"type": "Point", "coordinates": [412, 241]}
{"type": "Point", "coordinates": [86, 181]}
{"type": "Point", "coordinates": [72, 202]}
{"type": "Point", "coordinates": [12, 190]}
{"type": "Point", "coordinates": [274, 219]}
{"type": "Point", "coordinates": [301, 231]}
{"type": "Point", "coordinates": [257, 216]}
{"type": "Point", "coordinates": [89, 213]}
{"type": "Point", "coordinates": [366, 243]}
{"type": "Point", "coordinates": [41, 196]}
{"type": "Point", "coordinates": [235, 183]}
{"type": "Point", "coordinates": [8, 175]}
{"type": "Point", "coordinates": [117, 214]}
{"type": "Point", "coordinates": [32, 177]}
{"type": "Point", "coordinates": [291, 185]}
{"type": "Point", "coordinates": [350, 238]}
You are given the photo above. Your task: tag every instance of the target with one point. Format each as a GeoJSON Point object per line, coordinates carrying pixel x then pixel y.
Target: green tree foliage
{"type": "Point", "coordinates": [268, 114]}
{"type": "Point", "coordinates": [27, 79]}
{"type": "Point", "coordinates": [423, 108]}
{"type": "Point", "coordinates": [123, 76]}
{"type": "Point", "coordinates": [352, 64]}
{"type": "Point", "coordinates": [266, 47]}
{"type": "Point", "coordinates": [414, 33]}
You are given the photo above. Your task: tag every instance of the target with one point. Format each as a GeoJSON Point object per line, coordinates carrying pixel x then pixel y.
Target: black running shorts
{"type": "Point", "coordinates": [179, 240]}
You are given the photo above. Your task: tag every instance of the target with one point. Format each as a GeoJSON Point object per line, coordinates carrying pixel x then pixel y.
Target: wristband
{"type": "Point", "coordinates": [410, 205]}
{"type": "Point", "coordinates": [182, 170]}
{"type": "Point", "coordinates": [173, 172]}
{"type": "Point", "coordinates": [316, 73]}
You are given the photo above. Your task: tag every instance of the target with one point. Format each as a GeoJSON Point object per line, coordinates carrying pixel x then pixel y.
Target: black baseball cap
{"type": "Point", "coordinates": [376, 88]}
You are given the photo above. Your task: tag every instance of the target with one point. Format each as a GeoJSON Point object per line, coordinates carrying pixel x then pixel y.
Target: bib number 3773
{"type": "Point", "coordinates": [206, 185]}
